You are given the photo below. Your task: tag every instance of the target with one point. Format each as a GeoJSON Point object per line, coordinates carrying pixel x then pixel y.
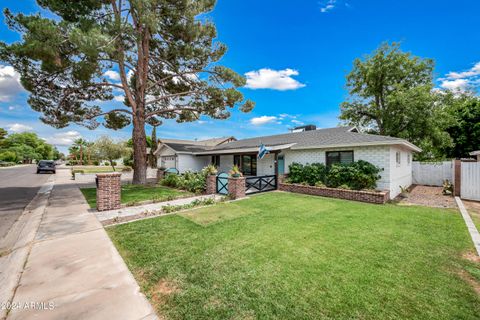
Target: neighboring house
{"type": "Point", "coordinates": [328, 146]}
{"type": "Point", "coordinates": [180, 154]}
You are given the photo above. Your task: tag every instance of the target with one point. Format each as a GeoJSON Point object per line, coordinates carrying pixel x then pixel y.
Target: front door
{"type": "Point", "coordinates": [281, 164]}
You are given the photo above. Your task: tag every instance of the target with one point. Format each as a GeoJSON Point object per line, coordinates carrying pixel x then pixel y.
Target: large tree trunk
{"type": "Point", "coordinates": [139, 140]}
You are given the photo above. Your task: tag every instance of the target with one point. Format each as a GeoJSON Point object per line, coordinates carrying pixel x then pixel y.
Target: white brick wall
{"type": "Point", "coordinates": [376, 155]}
{"type": "Point", "coordinates": [266, 166]}
{"type": "Point", "coordinates": [401, 174]}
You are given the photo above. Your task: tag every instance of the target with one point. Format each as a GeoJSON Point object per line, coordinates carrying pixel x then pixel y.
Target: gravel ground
{"type": "Point", "coordinates": [428, 196]}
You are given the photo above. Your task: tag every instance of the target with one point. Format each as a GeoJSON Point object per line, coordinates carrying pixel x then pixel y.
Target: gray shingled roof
{"type": "Point", "coordinates": [317, 138]}
{"type": "Point", "coordinates": [183, 147]}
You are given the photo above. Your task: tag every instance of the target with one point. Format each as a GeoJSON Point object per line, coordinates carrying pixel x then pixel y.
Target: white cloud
{"type": "Point", "coordinates": [462, 81]}
{"type": "Point", "coordinates": [297, 122]}
{"type": "Point", "coordinates": [327, 5]}
{"type": "Point", "coordinates": [9, 83]}
{"type": "Point", "coordinates": [474, 71]}
{"type": "Point", "coordinates": [258, 121]}
{"type": "Point", "coordinates": [455, 85]}
{"type": "Point", "coordinates": [18, 127]}
{"type": "Point", "coordinates": [273, 79]}
{"type": "Point", "coordinates": [119, 98]}
{"type": "Point", "coordinates": [286, 115]}
{"type": "Point", "coordinates": [11, 108]}
{"type": "Point", "coordinates": [112, 75]}
{"type": "Point", "coordinates": [63, 138]}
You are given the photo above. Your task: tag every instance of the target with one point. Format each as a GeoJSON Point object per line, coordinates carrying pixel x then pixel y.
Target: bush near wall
{"type": "Point", "coordinates": [358, 175]}
{"type": "Point", "coordinates": [190, 181]}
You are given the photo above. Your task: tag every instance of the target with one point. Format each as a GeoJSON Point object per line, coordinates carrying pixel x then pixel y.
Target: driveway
{"type": "Point", "coordinates": [18, 186]}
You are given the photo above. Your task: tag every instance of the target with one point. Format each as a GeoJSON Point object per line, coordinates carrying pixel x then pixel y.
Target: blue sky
{"type": "Point", "coordinates": [296, 55]}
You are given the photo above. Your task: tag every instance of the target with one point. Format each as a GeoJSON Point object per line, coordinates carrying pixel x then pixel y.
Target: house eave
{"type": "Point", "coordinates": [243, 150]}
{"type": "Point", "coordinates": [362, 144]}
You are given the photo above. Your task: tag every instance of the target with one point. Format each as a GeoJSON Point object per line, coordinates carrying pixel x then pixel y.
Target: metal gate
{"type": "Point", "coordinates": [470, 183]}
{"type": "Point", "coordinates": [260, 184]}
{"type": "Point", "coordinates": [222, 183]}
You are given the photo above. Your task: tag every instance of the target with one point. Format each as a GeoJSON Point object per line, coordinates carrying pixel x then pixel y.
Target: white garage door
{"type": "Point", "coordinates": [168, 162]}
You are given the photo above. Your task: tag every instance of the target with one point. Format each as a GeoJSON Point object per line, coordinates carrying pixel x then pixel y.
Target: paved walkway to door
{"type": "Point", "coordinates": [74, 267]}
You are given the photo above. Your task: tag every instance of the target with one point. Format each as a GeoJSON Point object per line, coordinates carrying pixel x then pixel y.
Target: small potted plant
{"type": "Point", "coordinates": [211, 170]}
{"type": "Point", "coordinates": [447, 188]}
{"type": "Point", "coordinates": [235, 172]}
{"type": "Point", "coordinates": [404, 192]}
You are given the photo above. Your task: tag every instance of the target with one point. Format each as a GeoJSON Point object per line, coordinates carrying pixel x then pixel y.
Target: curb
{"type": "Point", "coordinates": [470, 225]}
{"type": "Point", "coordinates": [16, 245]}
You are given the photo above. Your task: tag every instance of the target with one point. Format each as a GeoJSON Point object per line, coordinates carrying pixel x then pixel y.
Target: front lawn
{"type": "Point", "coordinates": [133, 194]}
{"type": "Point", "coordinates": [290, 256]}
{"type": "Point", "coordinates": [96, 169]}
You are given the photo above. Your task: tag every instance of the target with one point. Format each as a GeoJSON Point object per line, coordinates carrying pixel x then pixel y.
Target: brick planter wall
{"type": "Point", "coordinates": [108, 191]}
{"type": "Point", "coordinates": [236, 187]}
{"type": "Point", "coordinates": [211, 184]}
{"type": "Point", "coordinates": [364, 196]}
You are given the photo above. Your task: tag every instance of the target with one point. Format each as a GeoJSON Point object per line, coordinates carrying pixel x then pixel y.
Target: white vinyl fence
{"type": "Point", "coordinates": [470, 186]}
{"type": "Point", "coordinates": [432, 173]}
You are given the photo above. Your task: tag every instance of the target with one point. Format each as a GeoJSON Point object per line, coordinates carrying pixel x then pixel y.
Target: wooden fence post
{"type": "Point", "coordinates": [458, 177]}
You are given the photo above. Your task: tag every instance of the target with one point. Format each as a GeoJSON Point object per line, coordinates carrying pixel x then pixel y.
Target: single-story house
{"type": "Point", "coordinates": [328, 146]}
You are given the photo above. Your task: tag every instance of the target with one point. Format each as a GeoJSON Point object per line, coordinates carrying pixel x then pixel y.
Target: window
{"type": "Point", "coordinates": [249, 165]}
{"type": "Point", "coordinates": [398, 158]}
{"type": "Point", "coordinates": [342, 157]}
{"type": "Point", "coordinates": [236, 161]}
{"type": "Point", "coordinates": [216, 161]}
{"type": "Point", "coordinates": [408, 159]}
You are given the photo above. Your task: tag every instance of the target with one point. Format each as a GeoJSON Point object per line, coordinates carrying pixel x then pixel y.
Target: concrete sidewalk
{"type": "Point", "coordinates": [73, 270]}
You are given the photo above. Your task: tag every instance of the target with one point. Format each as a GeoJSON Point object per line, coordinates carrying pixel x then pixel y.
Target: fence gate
{"type": "Point", "coordinates": [470, 183]}
{"type": "Point", "coordinates": [260, 184]}
{"type": "Point", "coordinates": [222, 183]}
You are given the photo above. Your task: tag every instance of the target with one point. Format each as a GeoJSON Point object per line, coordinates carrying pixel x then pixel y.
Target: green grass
{"type": "Point", "coordinates": [133, 194]}
{"type": "Point", "coordinates": [290, 256]}
{"type": "Point", "coordinates": [97, 169]}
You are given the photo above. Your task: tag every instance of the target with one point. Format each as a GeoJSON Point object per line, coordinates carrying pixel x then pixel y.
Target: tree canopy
{"type": "Point", "coordinates": [465, 128]}
{"type": "Point", "coordinates": [105, 148]}
{"type": "Point", "coordinates": [391, 93]}
{"type": "Point", "coordinates": [160, 54]}
{"type": "Point", "coordinates": [26, 146]}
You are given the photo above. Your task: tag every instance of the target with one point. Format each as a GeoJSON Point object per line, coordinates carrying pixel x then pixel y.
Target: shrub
{"type": "Point", "coordinates": [106, 163]}
{"type": "Point", "coordinates": [126, 169]}
{"type": "Point", "coordinates": [128, 162]}
{"type": "Point", "coordinates": [8, 156]}
{"type": "Point", "coordinates": [171, 180]}
{"type": "Point", "coordinates": [96, 162]}
{"type": "Point", "coordinates": [195, 182]}
{"type": "Point", "coordinates": [357, 175]}
{"type": "Point", "coordinates": [114, 163]}
{"type": "Point", "coordinates": [309, 173]}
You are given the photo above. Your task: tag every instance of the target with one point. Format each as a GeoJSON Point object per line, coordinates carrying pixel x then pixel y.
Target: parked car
{"type": "Point", "coordinates": [46, 165]}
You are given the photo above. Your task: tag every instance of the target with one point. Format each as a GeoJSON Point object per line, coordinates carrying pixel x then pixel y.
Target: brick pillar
{"type": "Point", "coordinates": [457, 171]}
{"type": "Point", "coordinates": [211, 184]}
{"type": "Point", "coordinates": [108, 191]}
{"type": "Point", "coordinates": [160, 174]}
{"type": "Point", "coordinates": [236, 187]}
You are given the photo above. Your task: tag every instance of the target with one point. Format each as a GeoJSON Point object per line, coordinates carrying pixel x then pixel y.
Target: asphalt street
{"type": "Point", "coordinates": [18, 186]}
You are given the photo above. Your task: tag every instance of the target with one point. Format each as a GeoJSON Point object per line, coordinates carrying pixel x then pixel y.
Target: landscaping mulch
{"type": "Point", "coordinates": [428, 196]}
